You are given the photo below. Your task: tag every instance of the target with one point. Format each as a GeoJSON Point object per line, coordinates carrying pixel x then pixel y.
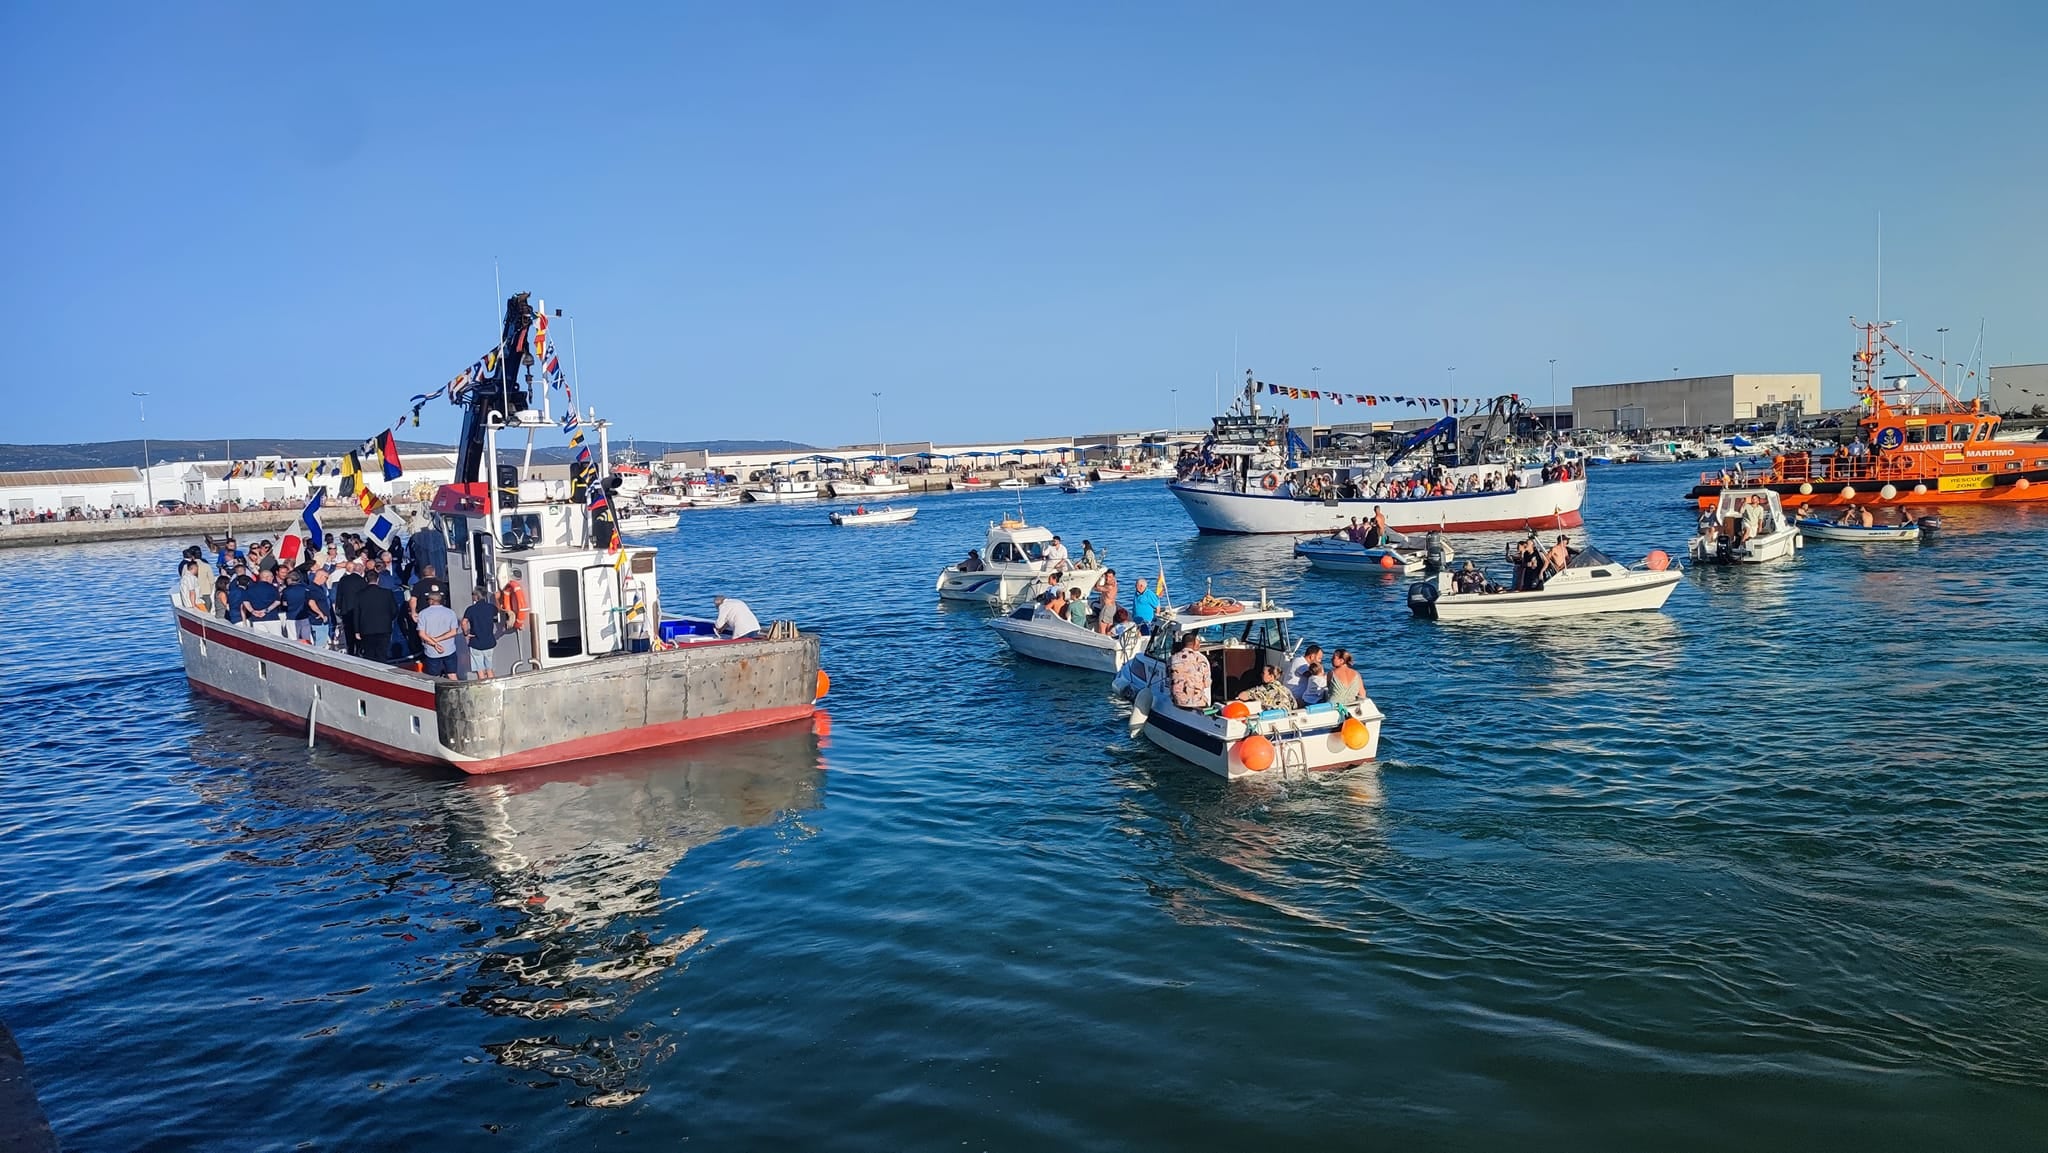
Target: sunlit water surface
{"type": "Point", "coordinates": [1766, 870]}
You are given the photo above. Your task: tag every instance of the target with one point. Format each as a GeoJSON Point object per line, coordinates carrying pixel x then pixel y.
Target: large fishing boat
{"type": "Point", "coordinates": [595, 669]}
{"type": "Point", "coordinates": [1916, 443]}
{"type": "Point", "coordinates": [1254, 475]}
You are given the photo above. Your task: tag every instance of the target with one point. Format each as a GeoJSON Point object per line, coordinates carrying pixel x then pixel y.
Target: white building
{"type": "Point", "coordinates": [2020, 389]}
{"type": "Point", "coordinates": [1694, 401]}
{"type": "Point", "coordinates": [61, 490]}
{"type": "Point", "coordinates": [804, 465]}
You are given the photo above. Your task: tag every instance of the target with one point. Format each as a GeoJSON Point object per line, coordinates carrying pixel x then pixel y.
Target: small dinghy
{"type": "Point", "coordinates": [861, 516]}
{"type": "Point", "coordinates": [1592, 583]}
{"type": "Point", "coordinates": [1033, 632]}
{"type": "Point", "coordinates": [1401, 554]}
{"type": "Point", "coordinates": [644, 520]}
{"type": "Point", "coordinates": [1918, 529]}
{"type": "Point", "coordinates": [1075, 484]}
{"type": "Point", "coordinates": [1745, 526]}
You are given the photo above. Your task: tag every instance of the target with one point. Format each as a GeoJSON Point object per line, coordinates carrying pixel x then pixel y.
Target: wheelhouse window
{"type": "Point", "coordinates": [1984, 431]}
{"type": "Point", "coordinates": [1002, 553]}
{"type": "Point", "coordinates": [1938, 434]}
{"type": "Point", "coordinates": [1916, 434]}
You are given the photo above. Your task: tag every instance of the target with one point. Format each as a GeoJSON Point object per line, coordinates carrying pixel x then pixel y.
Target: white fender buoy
{"type": "Point", "coordinates": [1848, 493]}
{"type": "Point", "coordinates": [1805, 489]}
{"type": "Point", "coordinates": [1887, 492]}
{"type": "Point", "coordinates": [1918, 490]}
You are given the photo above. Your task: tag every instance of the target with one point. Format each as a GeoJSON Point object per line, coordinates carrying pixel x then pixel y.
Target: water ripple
{"type": "Point", "coordinates": [1767, 869]}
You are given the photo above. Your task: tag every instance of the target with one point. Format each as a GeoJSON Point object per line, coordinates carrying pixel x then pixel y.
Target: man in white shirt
{"type": "Point", "coordinates": [1056, 559]}
{"type": "Point", "coordinates": [735, 619]}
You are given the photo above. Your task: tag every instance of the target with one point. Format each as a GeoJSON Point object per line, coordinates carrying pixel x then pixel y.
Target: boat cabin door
{"type": "Point", "coordinates": [602, 620]}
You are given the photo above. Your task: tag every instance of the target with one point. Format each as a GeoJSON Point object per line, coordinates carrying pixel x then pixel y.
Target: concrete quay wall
{"type": "Point", "coordinates": [193, 527]}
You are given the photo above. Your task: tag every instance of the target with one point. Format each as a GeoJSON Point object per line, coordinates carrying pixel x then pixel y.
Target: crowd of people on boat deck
{"type": "Point", "coordinates": [1752, 521]}
{"type": "Point", "coordinates": [1303, 682]}
{"type": "Point", "coordinates": [1436, 481]}
{"type": "Point", "coordinates": [1531, 564]}
{"type": "Point", "coordinates": [1067, 592]}
{"type": "Point", "coordinates": [381, 603]}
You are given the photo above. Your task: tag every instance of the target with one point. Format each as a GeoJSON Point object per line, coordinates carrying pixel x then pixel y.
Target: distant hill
{"type": "Point", "coordinates": [128, 453]}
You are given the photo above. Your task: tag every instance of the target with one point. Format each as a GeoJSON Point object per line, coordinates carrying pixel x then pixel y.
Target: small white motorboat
{"type": "Point", "coordinates": [1227, 736]}
{"type": "Point", "coordinates": [1013, 482]}
{"type": "Point", "coordinates": [1401, 554]}
{"type": "Point", "coordinates": [1033, 632]}
{"type": "Point", "coordinates": [716, 499]}
{"type": "Point", "coordinates": [1918, 529]}
{"type": "Point", "coordinates": [1592, 583]}
{"type": "Point", "coordinates": [646, 520]}
{"type": "Point", "coordinates": [782, 488]}
{"type": "Point", "coordinates": [1110, 472]}
{"type": "Point", "coordinates": [970, 481]}
{"type": "Point", "coordinates": [1723, 538]}
{"type": "Point", "coordinates": [1075, 484]}
{"type": "Point", "coordinates": [660, 499]}
{"type": "Point", "coordinates": [1012, 565]}
{"type": "Point", "coordinates": [865, 515]}
{"type": "Point", "coordinates": [875, 482]}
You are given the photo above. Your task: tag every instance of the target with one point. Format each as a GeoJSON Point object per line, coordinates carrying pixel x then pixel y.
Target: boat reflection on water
{"type": "Point", "coordinates": [576, 860]}
{"type": "Point", "coordinates": [552, 905]}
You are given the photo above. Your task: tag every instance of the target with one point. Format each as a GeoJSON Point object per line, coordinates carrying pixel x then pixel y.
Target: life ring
{"type": "Point", "coordinates": [1271, 482]}
{"type": "Point", "coordinates": [1215, 607]}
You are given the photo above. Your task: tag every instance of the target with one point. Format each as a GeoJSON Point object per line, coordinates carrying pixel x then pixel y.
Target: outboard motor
{"type": "Point", "coordinates": [1433, 550]}
{"type": "Point", "coordinates": [1422, 599]}
{"type": "Point", "coordinates": [1929, 525]}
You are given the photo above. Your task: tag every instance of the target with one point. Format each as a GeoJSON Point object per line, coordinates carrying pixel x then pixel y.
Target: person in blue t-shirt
{"type": "Point", "coordinates": [480, 626]}
{"type": "Point", "coordinates": [260, 604]}
{"type": "Point", "coordinates": [1145, 608]}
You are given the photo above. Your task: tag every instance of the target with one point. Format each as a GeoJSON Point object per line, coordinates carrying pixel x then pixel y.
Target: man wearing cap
{"type": "Point", "coordinates": [735, 619]}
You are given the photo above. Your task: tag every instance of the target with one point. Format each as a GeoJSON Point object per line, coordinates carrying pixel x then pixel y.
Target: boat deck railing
{"type": "Point", "coordinates": [1801, 466]}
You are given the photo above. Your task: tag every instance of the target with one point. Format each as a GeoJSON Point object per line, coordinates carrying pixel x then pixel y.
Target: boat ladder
{"type": "Point", "coordinates": [1293, 751]}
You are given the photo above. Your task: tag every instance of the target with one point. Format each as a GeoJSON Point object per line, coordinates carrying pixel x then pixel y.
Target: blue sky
{"type": "Point", "coordinates": [1010, 219]}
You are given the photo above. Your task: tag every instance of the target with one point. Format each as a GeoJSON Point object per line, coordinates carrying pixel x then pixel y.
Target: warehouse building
{"type": "Point", "coordinates": [1696, 401]}
{"type": "Point", "coordinates": [2020, 389]}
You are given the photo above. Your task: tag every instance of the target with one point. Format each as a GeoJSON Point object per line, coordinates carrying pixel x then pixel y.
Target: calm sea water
{"type": "Point", "coordinates": [1768, 870]}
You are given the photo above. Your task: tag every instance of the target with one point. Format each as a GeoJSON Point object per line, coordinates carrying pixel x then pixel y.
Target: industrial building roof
{"type": "Point", "coordinates": [63, 476]}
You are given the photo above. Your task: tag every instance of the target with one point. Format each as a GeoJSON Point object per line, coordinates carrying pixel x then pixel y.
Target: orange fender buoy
{"type": "Point", "coordinates": [1256, 753]}
{"type": "Point", "coordinates": [1236, 711]}
{"type": "Point", "coordinates": [1355, 733]}
{"type": "Point", "coordinates": [824, 685]}
{"type": "Point", "coordinates": [1386, 562]}
{"type": "Point", "coordinates": [1657, 561]}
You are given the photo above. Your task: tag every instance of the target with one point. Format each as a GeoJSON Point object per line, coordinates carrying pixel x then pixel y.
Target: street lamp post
{"type": "Point", "coordinates": [1944, 356]}
{"type": "Point", "coordinates": [881, 447]}
{"type": "Point", "coordinates": [1174, 393]}
{"type": "Point", "coordinates": [142, 416]}
{"type": "Point", "coordinates": [1553, 398]}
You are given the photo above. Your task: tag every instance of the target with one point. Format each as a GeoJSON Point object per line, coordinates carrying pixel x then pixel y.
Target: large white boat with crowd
{"type": "Point", "coordinates": [588, 665]}
{"type": "Point", "coordinates": [1253, 474]}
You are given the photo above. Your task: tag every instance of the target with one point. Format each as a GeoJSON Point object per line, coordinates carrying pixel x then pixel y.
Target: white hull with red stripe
{"type": "Point", "coordinates": [621, 703]}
